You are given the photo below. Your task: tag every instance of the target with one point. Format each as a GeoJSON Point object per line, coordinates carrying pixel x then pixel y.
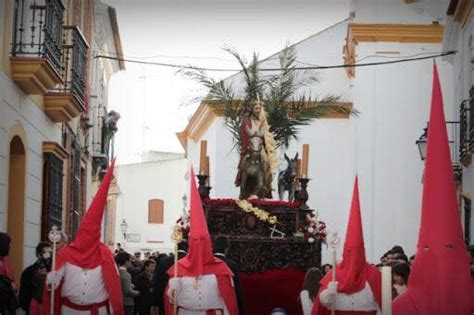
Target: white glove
{"type": "Point", "coordinates": [54, 279]}
{"type": "Point", "coordinates": [174, 285]}
{"type": "Point", "coordinates": [332, 287]}
{"type": "Point", "coordinates": [327, 296]}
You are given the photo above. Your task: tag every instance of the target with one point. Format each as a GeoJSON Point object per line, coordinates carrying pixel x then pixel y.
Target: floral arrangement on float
{"type": "Point", "coordinates": [184, 224]}
{"type": "Point", "coordinates": [261, 202]}
{"type": "Point", "coordinates": [312, 229]}
{"type": "Point", "coordinates": [262, 215]}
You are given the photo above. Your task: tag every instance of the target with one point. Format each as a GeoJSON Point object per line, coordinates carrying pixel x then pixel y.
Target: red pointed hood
{"type": "Point", "coordinates": [85, 250]}
{"type": "Point", "coordinates": [352, 269]}
{"type": "Point", "coordinates": [440, 280]}
{"type": "Point", "coordinates": [200, 259]}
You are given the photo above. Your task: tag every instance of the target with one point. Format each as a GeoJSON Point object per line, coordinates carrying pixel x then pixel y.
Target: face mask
{"type": "Point", "coordinates": [46, 255]}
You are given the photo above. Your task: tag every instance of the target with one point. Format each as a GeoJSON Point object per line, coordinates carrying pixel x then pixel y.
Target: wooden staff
{"type": "Point", "coordinates": [176, 237]}
{"type": "Point", "coordinates": [54, 236]}
{"type": "Point", "coordinates": [334, 243]}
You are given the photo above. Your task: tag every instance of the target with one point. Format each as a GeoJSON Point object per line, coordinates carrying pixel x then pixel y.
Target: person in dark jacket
{"type": "Point", "coordinates": [221, 248]}
{"type": "Point", "coordinates": [161, 278]}
{"type": "Point", "coordinates": [143, 284]}
{"type": "Point", "coordinates": [44, 257]}
{"type": "Point", "coordinates": [123, 260]}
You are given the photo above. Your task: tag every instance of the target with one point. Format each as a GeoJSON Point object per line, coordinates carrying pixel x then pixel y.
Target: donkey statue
{"type": "Point", "coordinates": [253, 170]}
{"type": "Point", "coordinates": [287, 179]}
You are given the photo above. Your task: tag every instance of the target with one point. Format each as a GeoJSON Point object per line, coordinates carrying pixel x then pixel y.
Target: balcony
{"type": "Point", "coordinates": [66, 101]}
{"type": "Point", "coordinates": [36, 45]}
{"type": "Point", "coordinates": [103, 144]}
{"type": "Point", "coordinates": [471, 120]}
{"type": "Point", "coordinates": [466, 146]}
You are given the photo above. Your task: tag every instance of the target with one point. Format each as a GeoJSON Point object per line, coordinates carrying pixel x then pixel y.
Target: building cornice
{"type": "Point", "coordinates": [402, 33]}
{"type": "Point", "coordinates": [461, 10]}
{"type": "Point", "coordinates": [117, 41]}
{"type": "Point", "coordinates": [56, 149]}
{"type": "Point", "coordinates": [209, 111]}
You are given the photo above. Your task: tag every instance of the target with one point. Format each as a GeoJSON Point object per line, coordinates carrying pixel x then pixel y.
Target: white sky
{"type": "Point", "coordinates": [150, 98]}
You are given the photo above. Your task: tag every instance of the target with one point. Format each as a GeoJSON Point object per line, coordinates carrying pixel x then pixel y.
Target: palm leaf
{"type": "Point", "coordinates": [287, 109]}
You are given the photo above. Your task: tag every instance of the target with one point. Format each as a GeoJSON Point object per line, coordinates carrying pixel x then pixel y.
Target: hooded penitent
{"type": "Point", "coordinates": [353, 272]}
{"type": "Point", "coordinates": [200, 259]}
{"type": "Point", "coordinates": [440, 281]}
{"type": "Point", "coordinates": [87, 251]}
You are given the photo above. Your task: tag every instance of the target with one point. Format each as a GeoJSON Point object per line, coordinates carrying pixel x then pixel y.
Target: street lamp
{"type": "Point", "coordinates": [123, 228]}
{"type": "Point", "coordinates": [422, 143]}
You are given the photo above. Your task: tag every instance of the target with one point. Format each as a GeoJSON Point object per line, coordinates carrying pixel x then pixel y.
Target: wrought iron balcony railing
{"type": "Point", "coordinates": [466, 147]}
{"type": "Point", "coordinates": [471, 120]}
{"type": "Point", "coordinates": [74, 63]}
{"type": "Point", "coordinates": [464, 130]}
{"type": "Point", "coordinates": [37, 30]}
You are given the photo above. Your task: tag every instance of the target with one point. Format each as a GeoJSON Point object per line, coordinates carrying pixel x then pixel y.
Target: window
{"type": "Point", "coordinates": [155, 211]}
{"type": "Point", "coordinates": [75, 178]}
{"type": "Point", "coordinates": [467, 219]}
{"type": "Point", "coordinates": [52, 193]}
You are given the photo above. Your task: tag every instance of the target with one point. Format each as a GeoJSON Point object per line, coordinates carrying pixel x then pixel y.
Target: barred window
{"type": "Point", "coordinates": [155, 211]}
{"type": "Point", "coordinates": [52, 204]}
{"type": "Point", "coordinates": [467, 204]}
{"type": "Point", "coordinates": [76, 205]}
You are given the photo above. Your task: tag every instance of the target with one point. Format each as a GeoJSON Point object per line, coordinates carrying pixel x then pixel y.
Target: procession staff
{"type": "Point", "coordinates": [85, 279]}
{"type": "Point", "coordinates": [202, 283]}
{"type": "Point", "coordinates": [357, 286]}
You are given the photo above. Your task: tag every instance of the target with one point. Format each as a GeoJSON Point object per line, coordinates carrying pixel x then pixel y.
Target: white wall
{"type": "Point", "coordinates": [396, 11]}
{"type": "Point", "coordinates": [141, 182]}
{"type": "Point", "coordinates": [16, 107]}
{"type": "Point", "coordinates": [394, 102]}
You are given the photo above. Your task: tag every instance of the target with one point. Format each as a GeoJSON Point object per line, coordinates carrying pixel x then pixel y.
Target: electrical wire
{"type": "Point", "coordinates": [169, 65]}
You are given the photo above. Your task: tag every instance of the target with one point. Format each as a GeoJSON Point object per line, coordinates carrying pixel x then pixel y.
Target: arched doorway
{"type": "Point", "coordinates": [16, 202]}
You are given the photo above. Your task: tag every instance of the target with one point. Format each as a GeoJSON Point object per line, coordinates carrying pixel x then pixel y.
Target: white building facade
{"type": "Point", "coordinates": [148, 199]}
{"type": "Point", "coordinates": [379, 144]}
{"type": "Point", "coordinates": [48, 169]}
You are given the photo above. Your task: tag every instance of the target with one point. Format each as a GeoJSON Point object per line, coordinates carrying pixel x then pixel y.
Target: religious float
{"type": "Point", "coordinates": [273, 242]}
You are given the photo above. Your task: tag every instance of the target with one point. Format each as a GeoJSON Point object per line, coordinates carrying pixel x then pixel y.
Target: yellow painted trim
{"type": "Point", "coordinates": [18, 233]}
{"type": "Point", "coordinates": [56, 149]}
{"type": "Point", "coordinates": [62, 107]}
{"type": "Point", "coordinates": [7, 31]}
{"type": "Point", "coordinates": [402, 33]}
{"type": "Point", "coordinates": [208, 111]}
{"type": "Point", "coordinates": [463, 12]}
{"type": "Point", "coordinates": [116, 33]}
{"type": "Point", "coordinates": [387, 52]}
{"type": "Point", "coordinates": [34, 75]}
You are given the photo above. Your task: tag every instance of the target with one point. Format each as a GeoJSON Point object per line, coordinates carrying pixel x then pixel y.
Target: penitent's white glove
{"type": "Point", "coordinates": [54, 279]}
{"type": "Point", "coordinates": [332, 287]}
{"type": "Point", "coordinates": [328, 296]}
{"type": "Point", "coordinates": [173, 285]}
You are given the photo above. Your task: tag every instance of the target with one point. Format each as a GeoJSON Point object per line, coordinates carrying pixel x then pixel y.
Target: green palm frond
{"type": "Point", "coordinates": [287, 108]}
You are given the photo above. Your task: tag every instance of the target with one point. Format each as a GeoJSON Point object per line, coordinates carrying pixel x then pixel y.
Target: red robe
{"type": "Point", "coordinates": [374, 279]}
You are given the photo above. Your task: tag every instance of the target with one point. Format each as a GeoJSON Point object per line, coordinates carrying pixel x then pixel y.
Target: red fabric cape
{"type": "Point", "coordinates": [373, 277]}
{"type": "Point", "coordinates": [109, 273]}
{"type": "Point", "coordinates": [226, 289]}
